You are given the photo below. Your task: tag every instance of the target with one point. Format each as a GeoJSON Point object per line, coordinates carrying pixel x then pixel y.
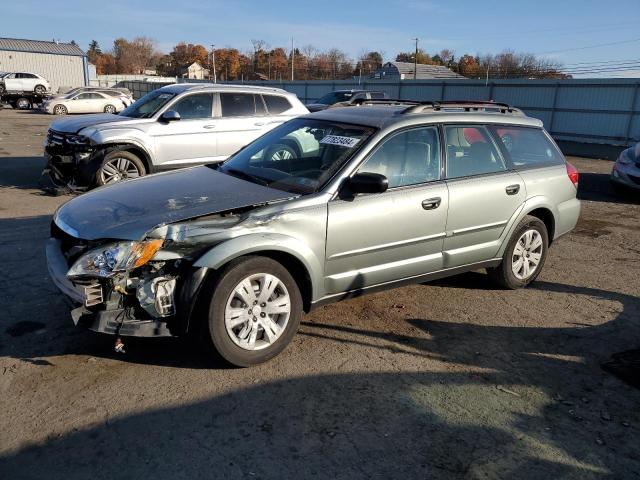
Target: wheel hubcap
{"type": "Point", "coordinates": [117, 170]}
{"type": "Point", "coordinates": [281, 155]}
{"type": "Point", "coordinates": [257, 311]}
{"type": "Point", "coordinates": [527, 254]}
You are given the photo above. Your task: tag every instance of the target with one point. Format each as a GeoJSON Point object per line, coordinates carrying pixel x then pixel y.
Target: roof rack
{"type": "Point", "coordinates": [382, 101]}
{"type": "Point", "coordinates": [465, 105]}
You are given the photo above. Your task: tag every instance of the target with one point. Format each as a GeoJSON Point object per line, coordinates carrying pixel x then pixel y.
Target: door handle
{"type": "Point", "coordinates": [512, 189]}
{"type": "Point", "coordinates": [209, 127]}
{"type": "Point", "coordinates": [431, 203]}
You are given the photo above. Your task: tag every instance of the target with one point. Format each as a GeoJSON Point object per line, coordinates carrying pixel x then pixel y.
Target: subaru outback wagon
{"type": "Point", "coordinates": [373, 197]}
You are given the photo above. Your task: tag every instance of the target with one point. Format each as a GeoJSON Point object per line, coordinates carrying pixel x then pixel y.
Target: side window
{"type": "Point", "coordinates": [276, 104]}
{"type": "Point", "coordinates": [260, 108]}
{"type": "Point", "coordinates": [237, 104]}
{"type": "Point", "coordinates": [407, 158]}
{"type": "Point", "coordinates": [83, 96]}
{"type": "Point", "coordinates": [377, 95]}
{"type": "Point", "coordinates": [527, 146]}
{"type": "Point", "coordinates": [198, 105]}
{"type": "Point", "coordinates": [471, 151]}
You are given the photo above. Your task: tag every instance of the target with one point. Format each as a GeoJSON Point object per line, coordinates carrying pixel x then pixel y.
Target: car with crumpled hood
{"type": "Point", "coordinates": [378, 197]}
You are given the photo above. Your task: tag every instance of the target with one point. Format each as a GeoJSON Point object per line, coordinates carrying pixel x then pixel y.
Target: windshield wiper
{"type": "Point", "coordinates": [247, 176]}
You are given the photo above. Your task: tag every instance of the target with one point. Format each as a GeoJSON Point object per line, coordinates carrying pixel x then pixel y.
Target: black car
{"type": "Point", "coordinates": [345, 97]}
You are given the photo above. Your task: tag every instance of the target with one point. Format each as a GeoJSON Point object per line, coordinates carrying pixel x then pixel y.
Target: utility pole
{"type": "Point", "coordinates": [415, 61]}
{"type": "Point", "coordinates": [213, 63]}
{"type": "Point", "coordinates": [293, 55]}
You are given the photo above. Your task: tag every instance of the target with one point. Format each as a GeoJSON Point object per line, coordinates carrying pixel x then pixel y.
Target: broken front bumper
{"type": "Point", "coordinates": [140, 311]}
{"type": "Point", "coordinates": [70, 170]}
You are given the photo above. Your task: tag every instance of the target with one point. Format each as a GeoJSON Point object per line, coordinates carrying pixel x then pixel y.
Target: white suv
{"type": "Point", "coordinates": [171, 127]}
{"type": "Point", "coordinates": [24, 82]}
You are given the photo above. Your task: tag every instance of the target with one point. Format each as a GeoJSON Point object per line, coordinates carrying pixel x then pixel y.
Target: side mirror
{"type": "Point", "coordinates": [170, 116]}
{"type": "Point", "coordinates": [368, 183]}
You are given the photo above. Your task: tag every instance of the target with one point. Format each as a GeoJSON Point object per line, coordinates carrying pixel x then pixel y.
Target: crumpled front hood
{"type": "Point", "coordinates": [75, 124]}
{"type": "Point", "coordinates": [128, 210]}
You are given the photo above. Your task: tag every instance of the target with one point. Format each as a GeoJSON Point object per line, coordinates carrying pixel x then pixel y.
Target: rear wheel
{"type": "Point", "coordinates": [40, 89]}
{"type": "Point", "coordinates": [2, 88]}
{"type": "Point", "coordinates": [109, 109]}
{"type": "Point", "coordinates": [23, 104]}
{"type": "Point", "coordinates": [524, 256]}
{"type": "Point", "coordinates": [255, 310]}
{"type": "Point", "coordinates": [60, 110]}
{"type": "Point", "coordinates": [118, 166]}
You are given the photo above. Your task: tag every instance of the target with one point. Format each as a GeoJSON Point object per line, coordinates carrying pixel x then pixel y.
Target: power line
{"type": "Point", "coordinates": [633, 40]}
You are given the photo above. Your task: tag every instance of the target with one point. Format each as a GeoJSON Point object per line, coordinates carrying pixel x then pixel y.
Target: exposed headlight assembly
{"type": "Point", "coordinates": [77, 140]}
{"type": "Point", "coordinates": [105, 261]}
{"type": "Point", "coordinates": [625, 157]}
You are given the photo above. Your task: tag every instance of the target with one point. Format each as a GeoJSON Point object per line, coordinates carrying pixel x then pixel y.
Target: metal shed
{"type": "Point", "coordinates": [63, 64]}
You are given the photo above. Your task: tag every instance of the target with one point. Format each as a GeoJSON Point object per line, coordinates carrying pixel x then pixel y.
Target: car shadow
{"type": "Point", "coordinates": [21, 172]}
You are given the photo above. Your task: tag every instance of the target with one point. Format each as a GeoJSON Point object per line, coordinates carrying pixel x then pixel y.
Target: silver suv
{"type": "Point", "coordinates": [372, 197]}
{"type": "Point", "coordinates": [171, 127]}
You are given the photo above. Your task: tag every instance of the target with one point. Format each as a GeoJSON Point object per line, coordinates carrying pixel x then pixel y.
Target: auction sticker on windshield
{"type": "Point", "coordinates": [348, 142]}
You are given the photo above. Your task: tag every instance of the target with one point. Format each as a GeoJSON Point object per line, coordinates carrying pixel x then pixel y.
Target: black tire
{"type": "Point", "coordinates": [102, 174]}
{"type": "Point", "coordinates": [109, 109]}
{"type": "Point", "coordinates": [60, 110]}
{"type": "Point", "coordinates": [23, 104]}
{"type": "Point", "coordinates": [2, 88]}
{"type": "Point", "coordinates": [503, 274]}
{"type": "Point", "coordinates": [228, 278]}
{"type": "Point", "coordinates": [40, 89]}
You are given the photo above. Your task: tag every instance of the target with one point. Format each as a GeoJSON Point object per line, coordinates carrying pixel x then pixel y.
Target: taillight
{"type": "Point", "coordinates": [573, 174]}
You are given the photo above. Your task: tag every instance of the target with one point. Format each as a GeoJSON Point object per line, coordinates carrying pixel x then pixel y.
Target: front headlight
{"type": "Point", "coordinates": [105, 261]}
{"type": "Point", "coordinates": [77, 140]}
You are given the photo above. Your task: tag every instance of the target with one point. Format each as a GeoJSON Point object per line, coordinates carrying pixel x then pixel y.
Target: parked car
{"type": "Point", "coordinates": [86, 102]}
{"type": "Point", "coordinates": [171, 127]}
{"type": "Point", "coordinates": [625, 175]}
{"type": "Point", "coordinates": [242, 249]}
{"type": "Point", "coordinates": [107, 90]}
{"type": "Point", "coordinates": [345, 97]}
{"type": "Point", "coordinates": [24, 82]}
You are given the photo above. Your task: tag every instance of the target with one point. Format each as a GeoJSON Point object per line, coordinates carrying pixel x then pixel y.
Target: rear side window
{"type": "Point", "coordinates": [237, 104]}
{"type": "Point", "coordinates": [276, 104]}
{"type": "Point", "coordinates": [527, 146]}
{"type": "Point", "coordinates": [471, 151]}
{"type": "Point", "coordinates": [377, 96]}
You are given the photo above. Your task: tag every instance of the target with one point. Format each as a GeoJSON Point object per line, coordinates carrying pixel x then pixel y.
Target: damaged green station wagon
{"type": "Point", "coordinates": [366, 197]}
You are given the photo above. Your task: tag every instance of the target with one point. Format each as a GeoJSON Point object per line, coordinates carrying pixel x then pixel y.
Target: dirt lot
{"type": "Point", "coordinates": [442, 380]}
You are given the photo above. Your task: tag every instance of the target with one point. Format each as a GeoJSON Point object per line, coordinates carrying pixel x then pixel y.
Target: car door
{"type": "Point", "coordinates": [483, 195]}
{"type": "Point", "coordinates": [378, 238]}
{"type": "Point", "coordinates": [190, 140]}
{"type": "Point", "coordinates": [12, 82]}
{"type": "Point", "coordinates": [242, 119]}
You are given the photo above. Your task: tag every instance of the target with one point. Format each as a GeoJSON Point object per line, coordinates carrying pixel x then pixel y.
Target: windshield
{"type": "Point", "coordinates": [299, 156]}
{"type": "Point", "coordinates": [335, 97]}
{"type": "Point", "coordinates": [148, 105]}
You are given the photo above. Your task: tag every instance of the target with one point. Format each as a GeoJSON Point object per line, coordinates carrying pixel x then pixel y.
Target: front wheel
{"type": "Point", "coordinates": [40, 90]}
{"type": "Point", "coordinates": [255, 310]}
{"type": "Point", "coordinates": [60, 110]}
{"type": "Point", "coordinates": [118, 166]}
{"type": "Point", "coordinates": [23, 104]}
{"type": "Point", "coordinates": [524, 256]}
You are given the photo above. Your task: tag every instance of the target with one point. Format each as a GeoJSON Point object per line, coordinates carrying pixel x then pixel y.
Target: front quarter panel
{"type": "Point", "coordinates": [300, 233]}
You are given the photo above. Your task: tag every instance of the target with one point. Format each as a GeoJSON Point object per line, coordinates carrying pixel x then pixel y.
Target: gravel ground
{"type": "Point", "coordinates": [443, 380]}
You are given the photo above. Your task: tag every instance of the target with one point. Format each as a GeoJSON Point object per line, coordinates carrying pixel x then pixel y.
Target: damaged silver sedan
{"type": "Point", "coordinates": [358, 199]}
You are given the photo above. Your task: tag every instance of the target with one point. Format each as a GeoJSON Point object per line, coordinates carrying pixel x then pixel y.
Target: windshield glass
{"type": "Point", "coordinates": [148, 105]}
{"type": "Point", "coordinates": [299, 156]}
{"type": "Point", "coordinates": [335, 97]}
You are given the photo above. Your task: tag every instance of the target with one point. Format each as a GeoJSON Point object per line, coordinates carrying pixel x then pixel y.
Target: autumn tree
{"type": "Point", "coordinates": [134, 56]}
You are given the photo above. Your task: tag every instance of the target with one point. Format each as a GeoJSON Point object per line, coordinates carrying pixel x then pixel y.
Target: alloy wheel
{"type": "Point", "coordinates": [527, 254]}
{"type": "Point", "coordinates": [118, 169]}
{"type": "Point", "coordinates": [257, 311]}
{"type": "Point", "coordinates": [283, 154]}
{"type": "Point", "coordinates": [109, 109]}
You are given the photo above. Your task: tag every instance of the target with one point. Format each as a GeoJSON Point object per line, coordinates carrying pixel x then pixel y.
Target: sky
{"type": "Point", "coordinates": [575, 33]}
